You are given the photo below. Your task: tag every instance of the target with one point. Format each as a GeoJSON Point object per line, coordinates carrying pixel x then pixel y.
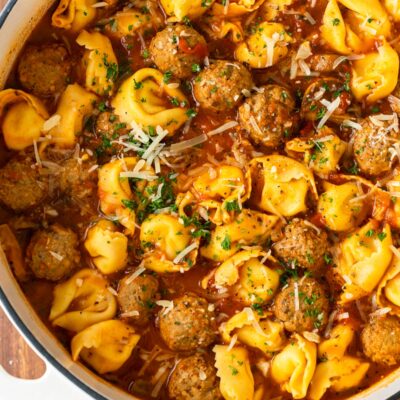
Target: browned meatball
{"type": "Point", "coordinates": [77, 179]}
{"type": "Point", "coordinates": [106, 130]}
{"type": "Point", "coordinates": [138, 295]}
{"type": "Point", "coordinates": [178, 49]}
{"type": "Point", "coordinates": [322, 62]}
{"type": "Point", "coordinates": [44, 70]}
{"type": "Point", "coordinates": [53, 253]}
{"type": "Point", "coordinates": [380, 340]}
{"type": "Point", "coordinates": [22, 186]}
{"type": "Point", "coordinates": [303, 245]}
{"type": "Point", "coordinates": [194, 378]}
{"type": "Point", "coordinates": [371, 147]}
{"type": "Point", "coordinates": [189, 325]}
{"type": "Point", "coordinates": [268, 116]}
{"type": "Point", "coordinates": [220, 86]}
{"type": "Point", "coordinates": [302, 305]}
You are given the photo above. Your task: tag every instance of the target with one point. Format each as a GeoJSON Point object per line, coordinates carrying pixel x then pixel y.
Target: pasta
{"type": "Point", "coordinates": [105, 346]}
{"type": "Point", "coordinates": [93, 301]}
{"type": "Point", "coordinates": [233, 368]}
{"type": "Point", "coordinates": [140, 99]}
{"type": "Point", "coordinates": [74, 15]}
{"type": "Point", "coordinates": [270, 36]}
{"type": "Point", "coordinates": [341, 207]}
{"type": "Point", "coordinates": [286, 183]}
{"type": "Point", "coordinates": [294, 367]}
{"type": "Point", "coordinates": [99, 62]}
{"type": "Point", "coordinates": [107, 247]}
{"type": "Point", "coordinates": [355, 31]}
{"type": "Point", "coordinates": [249, 228]}
{"type": "Point", "coordinates": [261, 333]}
{"type": "Point", "coordinates": [75, 103]}
{"type": "Point", "coordinates": [375, 76]}
{"type": "Point", "coordinates": [364, 257]}
{"type": "Point", "coordinates": [179, 9]}
{"type": "Point", "coordinates": [322, 156]}
{"type": "Point", "coordinates": [339, 372]}
{"type": "Point", "coordinates": [22, 117]}
{"type": "Point", "coordinates": [388, 292]}
{"type": "Point", "coordinates": [236, 8]}
{"type": "Point", "coordinates": [165, 241]}
{"type": "Point", "coordinates": [257, 283]}
{"type": "Point", "coordinates": [115, 193]}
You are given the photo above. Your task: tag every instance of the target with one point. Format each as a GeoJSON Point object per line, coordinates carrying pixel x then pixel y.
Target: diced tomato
{"type": "Point", "coordinates": [199, 50]}
{"type": "Point", "coordinates": [318, 220]}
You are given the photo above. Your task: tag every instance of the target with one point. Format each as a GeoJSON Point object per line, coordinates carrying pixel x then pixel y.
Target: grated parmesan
{"type": "Point", "coordinates": [185, 252]}
{"type": "Point", "coordinates": [57, 256]}
{"type": "Point", "coordinates": [139, 271]}
{"type": "Point", "coordinates": [51, 123]}
{"type": "Point", "coordinates": [100, 4]}
{"type": "Point", "coordinates": [330, 109]}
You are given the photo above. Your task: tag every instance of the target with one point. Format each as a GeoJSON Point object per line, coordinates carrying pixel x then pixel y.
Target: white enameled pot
{"type": "Point", "coordinates": [65, 379]}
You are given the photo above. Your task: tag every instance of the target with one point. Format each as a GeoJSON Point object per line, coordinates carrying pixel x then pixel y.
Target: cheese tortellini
{"type": "Point", "coordinates": [91, 299]}
{"type": "Point", "coordinates": [220, 190]}
{"type": "Point", "coordinates": [322, 154]}
{"type": "Point", "coordinates": [392, 6]}
{"type": "Point", "coordinates": [388, 292]}
{"type": "Point", "coordinates": [233, 369]}
{"type": "Point", "coordinates": [107, 247]}
{"type": "Point", "coordinates": [115, 193]}
{"type": "Point", "coordinates": [256, 282]}
{"type": "Point", "coordinates": [75, 103]}
{"type": "Point", "coordinates": [339, 371]}
{"type": "Point", "coordinates": [363, 258]}
{"type": "Point", "coordinates": [144, 97]}
{"type": "Point", "coordinates": [294, 367]}
{"type": "Point", "coordinates": [235, 8]}
{"type": "Point", "coordinates": [99, 62]}
{"type": "Point", "coordinates": [251, 330]}
{"type": "Point", "coordinates": [179, 9]}
{"type": "Point", "coordinates": [105, 346]}
{"type": "Point", "coordinates": [249, 228]}
{"type": "Point", "coordinates": [285, 185]}
{"type": "Point", "coordinates": [355, 30]}
{"type": "Point", "coordinates": [22, 118]}
{"type": "Point", "coordinates": [168, 244]}
{"type": "Point", "coordinates": [375, 76]}
{"type": "Point", "coordinates": [265, 47]}
{"type": "Point", "coordinates": [340, 206]}
{"type": "Point", "coordinates": [74, 15]}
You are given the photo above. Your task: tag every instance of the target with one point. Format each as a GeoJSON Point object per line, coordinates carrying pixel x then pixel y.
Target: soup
{"type": "Point", "coordinates": [200, 199]}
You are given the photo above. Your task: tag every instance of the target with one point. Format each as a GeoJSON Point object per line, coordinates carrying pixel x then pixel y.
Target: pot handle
{"type": "Point", "coordinates": [52, 385]}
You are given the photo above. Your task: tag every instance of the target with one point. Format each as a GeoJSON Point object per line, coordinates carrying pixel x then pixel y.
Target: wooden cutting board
{"type": "Point", "coordinates": [15, 355]}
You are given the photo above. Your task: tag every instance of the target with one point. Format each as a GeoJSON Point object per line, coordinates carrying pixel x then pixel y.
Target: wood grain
{"type": "Point", "coordinates": [16, 357]}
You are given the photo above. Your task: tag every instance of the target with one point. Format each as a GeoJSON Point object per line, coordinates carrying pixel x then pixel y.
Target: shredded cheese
{"type": "Point", "coordinates": [185, 252]}
{"type": "Point", "coordinates": [330, 109]}
{"type": "Point", "coordinates": [51, 123]}
{"type": "Point", "coordinates": [139, 271]}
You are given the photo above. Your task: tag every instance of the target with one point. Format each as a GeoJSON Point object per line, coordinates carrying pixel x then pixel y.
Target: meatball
{"type": "Point", "coordinates": [178, 49]}
{"type": "Point", "coordinates": [22, 187]}
{"type": "Point", "coordinates": [322, 62]}
{"type": "Point", "coordinates": [302, 305]}
{"type": "Point", "coordinates": [380, 340]}
{"type": "Point", "coordinates": [220, 86]}
{"type": "Point", "coordinates": [303, 245]}
{"type": "Point", "coordinates": [53, 253]}
{"type": "Point", "coordinates": [194, 378]}
{"type": "Point", "coordinates": [268, 116]}
{"type": "Point", "coordinates": [189, 325]}
{"type": "Point", "coordinates": [138, 295]}
{"type": "Point", "coordinates": [44, 70]}
{"type": "Point", "coordinates": [371, 147]}
{"type": "Point", "coordinates": [76, 179]}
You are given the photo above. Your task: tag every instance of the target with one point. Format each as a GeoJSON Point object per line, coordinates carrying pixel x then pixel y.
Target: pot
{"type": "Point", "coordinates": [65, 379]}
